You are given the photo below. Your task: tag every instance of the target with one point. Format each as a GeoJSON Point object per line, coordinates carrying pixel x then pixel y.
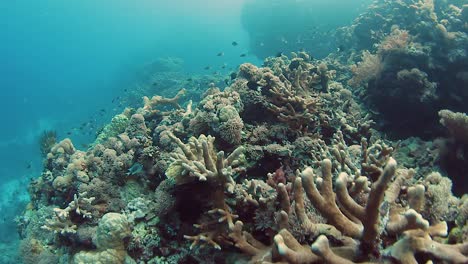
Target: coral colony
{"type": "Point", "coordinates": [285, 165]}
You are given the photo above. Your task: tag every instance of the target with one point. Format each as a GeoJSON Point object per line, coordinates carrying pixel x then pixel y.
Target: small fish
{"type": "Point", "coordinates": [220, 54]}
{"type": "Point", "coordinates": [135, 169]}
{"type": "Point", "coordinates": [29, 165]}
{"type": "Point", "coordinates": [243, 55]}
{"type": "Point", "coordinates": [226, 81]}
{"type": "Point", "coordinates": [155, 83]}
{"type": "Point", "coordinates": [125, 90]}
{"type": "Point", "coordinates": [69, 133]}
{"type": "Point", "coordinates": [340, 48]}
{"type": "Point", "coordinates": [207, 68]}
{"type": "Point", "coordinates": [189, 79]}
{"type": "Point", "coordinates": [233, 75]}
{"type": "Point", "coordinates": [234, 43]}
{"type": "Point", "coordinates": [279, 54]}
{"type": "Point", "coordinates": [103, 110]}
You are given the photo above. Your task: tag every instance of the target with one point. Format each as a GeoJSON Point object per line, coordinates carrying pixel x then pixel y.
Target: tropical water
{"type": "Point", "coordinates": [71, 66]}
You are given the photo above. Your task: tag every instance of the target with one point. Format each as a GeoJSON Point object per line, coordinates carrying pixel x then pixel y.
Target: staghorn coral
{"type": "Point", "coordinates": [300, 94]}
{"type": "Point", "coordinates": [199, 160]}
{"type": "Point", "coordinates": [62, 222]}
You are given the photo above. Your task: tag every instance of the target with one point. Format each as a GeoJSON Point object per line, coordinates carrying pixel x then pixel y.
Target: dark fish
{"type": "Point", "coordinates": [233, 75]}
{"type": "Point", "coordinates": [220, 54]}
{"type": "Point", "coordinates": [223, 67]}
{"type": "Point", "coordinates": [207, 68]}
{"type": "Point", "coordinates": [189, 79]}
{"type": "Point", "coordinates": [155, 83]}
{"type": "Point", "coordinates": [103, 110]}
{"type": "Point", "coordinates": [279, 54]}
{"type": "Point", "coordinates": [226, 81]}
{"type": "Point", "coordinates": [243, 55]}
{"type": "Point", "coordinates": [234, 43]}
{"type": "Point", "coordinates": [29, 165]}
{"type": "Point", "coordinates": [125, 90]}
{"type": "Point", "coordinates": [135, 169]}
{"type": "Point", "coordinates": [341, 48]}
{"type": "Point", "coordinates": [69, 133]}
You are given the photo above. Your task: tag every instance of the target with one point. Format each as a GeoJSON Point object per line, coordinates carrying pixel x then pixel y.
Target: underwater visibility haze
{"type": "Point", "coordinates": [234, 131]}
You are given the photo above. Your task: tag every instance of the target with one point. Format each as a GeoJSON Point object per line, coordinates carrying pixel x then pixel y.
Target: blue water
{"type": "Point", "coordinates": [63, 61]}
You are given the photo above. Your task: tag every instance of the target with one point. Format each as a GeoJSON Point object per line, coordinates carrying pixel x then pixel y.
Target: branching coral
{"type": "Point", "coordinates": [62, 223]}
{"type": "Point", "coordinates": [198, 160]}
{"type": "Point", "coordinates": [158, 105]}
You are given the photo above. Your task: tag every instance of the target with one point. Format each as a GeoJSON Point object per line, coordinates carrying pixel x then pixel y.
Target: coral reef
{"type": "Point", "coordinates": [284, 165]}
{"type": "Point", "coordinates": [414, 55]}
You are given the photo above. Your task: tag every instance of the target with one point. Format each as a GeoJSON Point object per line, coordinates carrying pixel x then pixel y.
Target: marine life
{"type": "Point", "coordinates": [233, 75]}
{"type": "Point", "coordinates": [135, 169]}
{"type": "Point", "coordinates": [355, 153]}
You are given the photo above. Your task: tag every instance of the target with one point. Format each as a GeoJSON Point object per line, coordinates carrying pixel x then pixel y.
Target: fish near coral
{"type": "Point", "coordinates": [135, 169]}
